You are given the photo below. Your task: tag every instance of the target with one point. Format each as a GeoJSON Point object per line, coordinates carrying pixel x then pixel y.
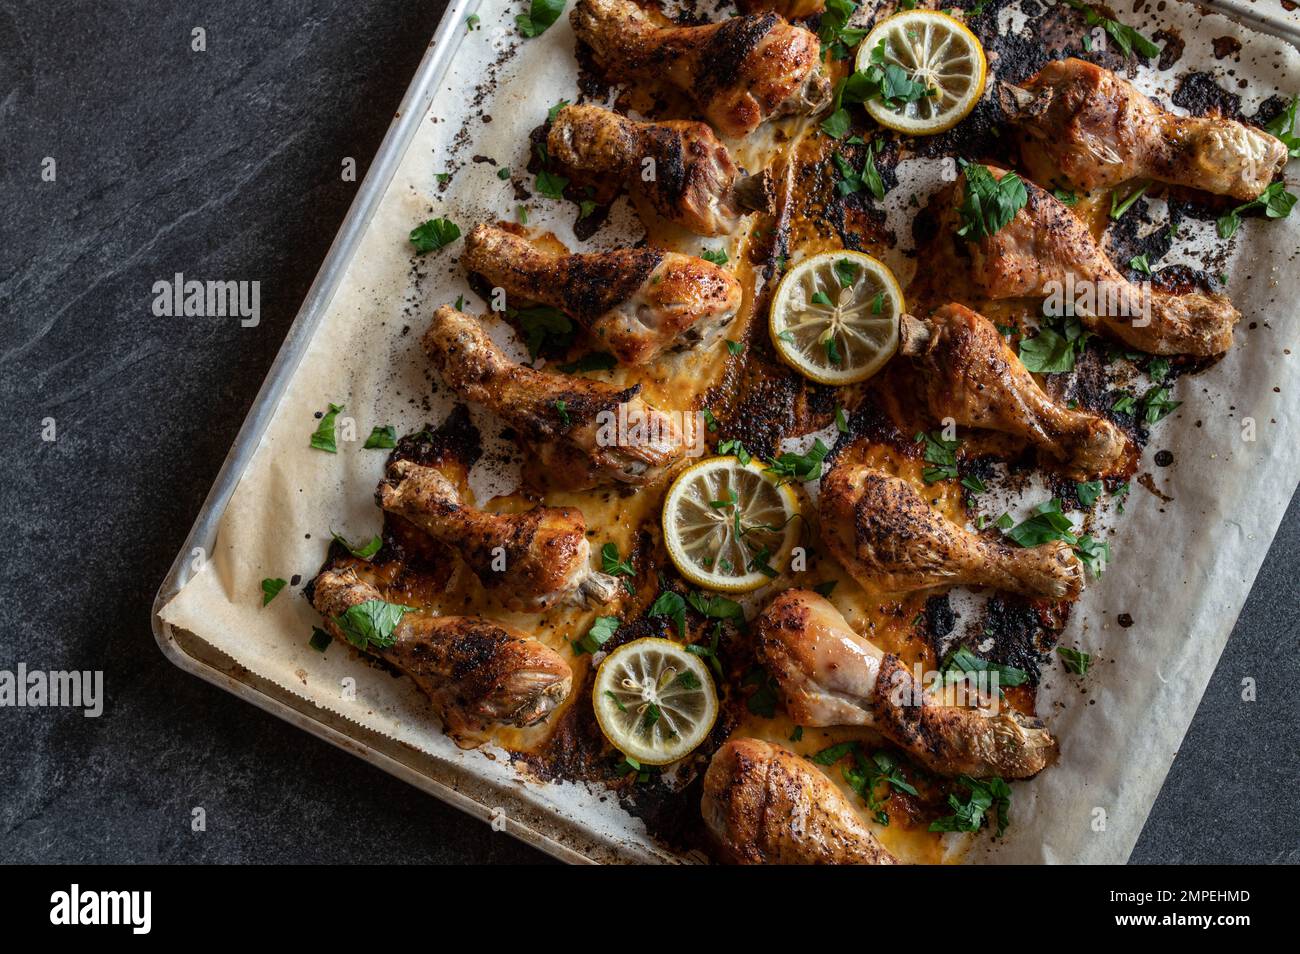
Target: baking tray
{"type": "Point", "coordinates": [562, 838]}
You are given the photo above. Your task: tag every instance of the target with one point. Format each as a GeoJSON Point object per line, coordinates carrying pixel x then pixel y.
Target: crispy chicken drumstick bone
{"type": "Point", "coordinates": [1083, 123]}
{"type": "Point", "coordinates": [740, 72]}
{"type": "Point", "coordinates": [972, 376]}
{"type": "Point", "coordinates": [691, 181]}
{"type": "Point", "coordinates": [1045, 249]}
{"type": "Point", "coordinates": [536, 558]}
{"type": "Point", "coordinates": [767, 806]}
{"type": "Point", "coordinates": [571, 424]}
{"type": "Point", "coordinates": [475, 671]}
{"type": "Point", "coordinates": [637, 302]}
{"type": "Point", "coordinates": [890, 540]}
{"type": "Point", "coordinates": [829, 675]}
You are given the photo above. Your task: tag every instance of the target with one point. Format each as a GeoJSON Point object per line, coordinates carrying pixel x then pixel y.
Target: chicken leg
{"type": "Point", "coordinates": [829, 675]}
{"type": "Point", "coordinates": [740, 72]}
{"type": "Point", "coordinates": [1046, 252]}
{"type": "Point", "coordinates": [890, 540]}
{"type": "Point", "coordinates": [767, 806]}
{"type": "Point", "coordinates": [1083, 123]}
{"type": "Point", "coordinates": [582, 433]}
{"type": "Point", "coordinates": [972, 376]}
{"type": "Point", "coordinates": [476, 672]}
{"type": "Point", "coordinates": [637, 302]}
{"type": "Point", "coordinates": [535, 559]}
{"type": "Point", "coordinates": [678, 168]}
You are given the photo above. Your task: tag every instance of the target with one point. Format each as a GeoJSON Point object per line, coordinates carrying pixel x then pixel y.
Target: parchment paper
{"type": "Point", "coordinates": [1182, 569]}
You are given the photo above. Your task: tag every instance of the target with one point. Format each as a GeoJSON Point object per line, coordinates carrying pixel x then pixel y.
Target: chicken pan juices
{"type": "Point", "coordinates": [825, 427]}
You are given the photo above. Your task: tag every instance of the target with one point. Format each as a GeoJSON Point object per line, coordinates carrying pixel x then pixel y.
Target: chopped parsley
{"type": "Point", "coordinates": [716, 256]}
{"type": "Point", "coordinates": [1125, 37]}
{"type": "Point", "coordinates": [271, 587]}
{"type": "Point", "coordinates": [551, 185]}
{"type": "Point", "coordinates": [362, 552]}
{"type": "Point", "coordinates": [381, 437]}
{"type": "Point", "coordinates": [1275, 201]}
{"type": "Point", "coordinates": [541, 14]}
{"type": "Point", "coordinates": [1282, 126]}
{"type": "Point", "coordinates": [602, 628]}
{"type": "Point", "coordinates": [990, 204]}
{"type": "Point", "coordinates": [1119, 206]}
{"type": "Point", "coordinates": [1055, 347]}
{"type": "Point", "coordinates": [323, 438]}
{"type": "Point", "coordinates": [969, 814]}
{"type": "Point", "coordinates": [941, 453]}
{"type": "Point", "coordinates": [371, 623]}
{"type": "Point", "coordinates": [1076, 661]}
{"type": "Point", "coordinates": [801, 467]}
{"type": "Point", "coordinates": [673, 607]}
{"type": "Point", "coordinates": [433, 235]}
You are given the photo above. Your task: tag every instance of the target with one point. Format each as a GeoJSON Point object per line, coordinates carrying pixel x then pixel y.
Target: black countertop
{"type": "Point", "coordinates": [226, 164]}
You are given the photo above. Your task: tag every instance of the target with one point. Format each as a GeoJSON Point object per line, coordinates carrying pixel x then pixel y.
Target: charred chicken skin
{"type": "Point", "coordinates": [767, 806]}
{"type": "Point", "coordinates": [829, 675]}
{"type": "Point", "coordinates": [739, 73]}
{"type": "Point", "coordinates": [1045, 249]}
{"type": "Point", "coordinates": [571, 424]}
{"type": "Point", "coordinates": [890, 540]}
{"type": "Point", "coordinates": [679, 168]}
{"type": "Point", "coordinates": [1085, 125]}
{"type": "Point", "coordinates": [534, 559]}
{"type": "Point", "coordinates": [637, 302]}
{"type": "Point", "coordinates": [971, 375]}
{"type": "Point", "coordinates": [476, 672]}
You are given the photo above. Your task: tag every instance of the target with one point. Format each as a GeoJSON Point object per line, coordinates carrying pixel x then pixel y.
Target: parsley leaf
{"type": "Point", "coordinates": [602, 628]}
{"type": "Point", "coordinates": [990, 204]}
{"type": "Point", "coordinates": [381, 437]}
{"type": "Point", "coordinates": [672, 606]}
{"type": "Point", "coordinates": [541, 14]}
{"type": "Point", "coordinates": [961, 662]}
{"type": "Point", "coordinates": [992, 793]}
{"type": "Point", "coordinates": [323, 438]}
{"type": "Point", "coordinates": [1275, 201]}
{"type": "Point", "coordinates": [542, 325]}
{"type": "Point", "coordinates": [371, 623]}
{"type": "Point", "coordinates": [1283, 127]}
{"type": "Point", "coordinates": [802, 467]}
{"type": "Point", "coordinates": [271, 588]}
{"type": "Point", "coordinates": [716, 256]}
{"type": "Point", "coordinates": [1045, 524]}
{"type": "Point", "coordinates": [433, 235]}
{"type": "Point", "coordinates": [551, 185]}
{"type": "Point", "coordinates": [362, 552]}
{"type": "Point", "coordinates": [940, 452]}
{"type": "Point", "coordinates": [1088, 492]}
{"type": "Point", "coordinates": [1076, 661]}
{"type": "Point", "coordinates": [1055, 347]}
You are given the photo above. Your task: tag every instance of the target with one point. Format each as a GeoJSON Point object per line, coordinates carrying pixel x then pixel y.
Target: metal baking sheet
{"type": "Point", "coordinates": [569, 839]}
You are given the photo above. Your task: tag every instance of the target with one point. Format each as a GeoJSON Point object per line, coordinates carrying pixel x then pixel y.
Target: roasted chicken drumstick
{"type": "Point", "coordinates": [829, 675]}
{"type": "Point", "coordinates": [890, 540]}
{"type": "Point", "coordinates": [740, 72]}
{"type": "Point", "coordinates": [678, 167]}
{"type": "Point", "coordinates": [971, 375]}
{"type": "Point", "coordinates": [571, 424]}
{"type": "Point", "coordinates": [767, 806]}
{"type": "Point", "coordinates": [1045, 248]}
{"type": "Point", "coordinates": [535, 559]}
{"type": "Point", "coordinates": [637, 302]}
{"type": "Point", "coordinates": [476, 672]}
{"type": "Point", "coordinates": [1084, 124]}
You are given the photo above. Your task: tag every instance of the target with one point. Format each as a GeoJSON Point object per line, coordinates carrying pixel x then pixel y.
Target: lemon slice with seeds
{"type": "Point", "coordinates": [654, 701]}
{"type": "Point", "coordinates": [729, 526]}
{"type": "Point", "coordinates": [834, 317]}
{"type": "Point", "coordinates": [931, 49]}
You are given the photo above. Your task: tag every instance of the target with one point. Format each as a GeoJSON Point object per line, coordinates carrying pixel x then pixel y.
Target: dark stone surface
{"type": "Point", "coordinates": [225, 165]}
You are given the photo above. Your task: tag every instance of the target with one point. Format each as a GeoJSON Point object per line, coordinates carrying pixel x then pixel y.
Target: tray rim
{"type": "Point", "coordinates": [410, 114]}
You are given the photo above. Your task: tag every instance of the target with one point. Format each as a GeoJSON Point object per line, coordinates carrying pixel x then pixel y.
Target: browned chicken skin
{"type": "Point", "coordinates": [569, 423]}
{"type": "Point", "coordinates": [534, 559]}
{"type": "Point", "coordinates": [830, 675]}
{"type": "Point", "coordinates": [637, 302]}
{"type": "Point", "coordinates": [475, 671]}
{"type": "Point", "coordinates": [971, 375]}
{"type": "Point", "coordinates": [1085, 127]}
{"type": "Point", "coordinates": [890, 540]}
{"type": "Point", "coordinates": [693, 180]}
{"type": "Point", "coordinates": [1045, 249]}
{"type": "Point", "coordinates": [767, 806]}
{"type": "Point", "coordinates": [740, 72]}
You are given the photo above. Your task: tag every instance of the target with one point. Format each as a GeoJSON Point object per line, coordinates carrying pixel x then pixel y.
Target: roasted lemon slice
{"type": "Point", "coordinates": [942, 71]}
{"type": "Point", "coordinates": [729, 526]}
{"type": "Point", "coordinates": [835, 315]}
{"type": "Point", "coordinates": [654, 701]}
